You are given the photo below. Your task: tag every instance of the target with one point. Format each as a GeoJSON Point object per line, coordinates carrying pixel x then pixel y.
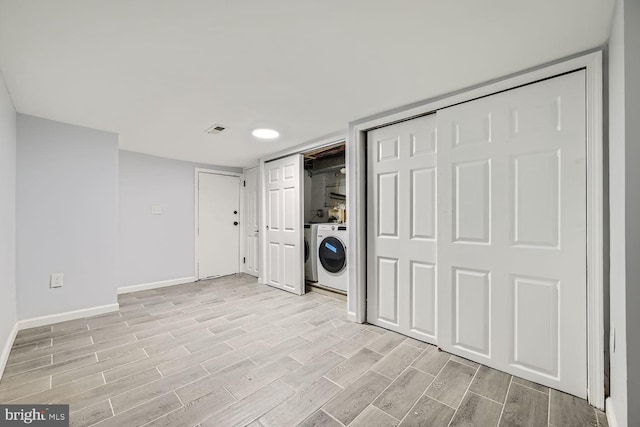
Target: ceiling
{"type": "Point", "coordinates": [160, 72]}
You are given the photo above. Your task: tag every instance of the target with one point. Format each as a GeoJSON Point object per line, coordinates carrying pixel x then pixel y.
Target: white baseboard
{"type": "Point", "coordinates": [63, 317]}
{"type": "Point", "coordinates": [4, 356]}
{"type": "Point", "coordinates": [48, 320]}
{"type": "Point", "coordinates": [250, 274]}
{"type": "Point", "coordinates": [155, 285]}
{"type": "Point", "coordinates": [611, 413]}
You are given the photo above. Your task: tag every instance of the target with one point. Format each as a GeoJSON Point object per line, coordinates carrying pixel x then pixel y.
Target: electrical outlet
{"type": "Point", "coordinates": [56, 280]}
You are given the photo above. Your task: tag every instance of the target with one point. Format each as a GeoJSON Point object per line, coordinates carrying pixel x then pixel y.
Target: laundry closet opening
{"type": "Point", "coordinates": [305, 243]}
{"type": "Point", "coordinates": [325, 219]}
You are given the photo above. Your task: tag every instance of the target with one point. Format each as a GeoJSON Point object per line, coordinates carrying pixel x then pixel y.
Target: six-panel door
{"type": "Point", "coordinates": [401, 241]}
{"type": "Point", "coordinates": [284, 268]}
{"type": "Point", "coordinates": [512, 252]}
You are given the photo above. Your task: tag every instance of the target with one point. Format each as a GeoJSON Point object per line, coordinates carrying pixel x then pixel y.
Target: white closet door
{"type": "Point", "coordinates": [284, 230]}
{"type": "Point", "coordinates": [401, 242]}
{"type": "Point", "coordinates": [512, 232]}
{"type": "Point", "coordinates": [251, 265]}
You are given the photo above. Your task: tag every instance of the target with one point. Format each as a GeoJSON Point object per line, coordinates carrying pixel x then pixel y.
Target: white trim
{"type": "Point", "coordinates": [595, 233]}
{"type": "Point", "coordinates": [217, 172]}
{"type": "Point", "coordinates": [262, 221]}
{"type": "Point", "coordinates": [243, 229]}
{"type": "Point", "coordinates": [34, 322]}
{"type": "Point", "coordinates": [155, 285]}
{"type": "Point", "coordinates": [325, 141]}
{"type": "Point", "coordinates": [241, 218]}
{"type": "Point", "coordinates": [611, 414]}
{"type": "Point", "coordinates": [6, 350]}
{"type": "Point", "coordinates": [356, 194]}
{"type": "Point", "coordinates": [196, 187]}
{"type": "Point", "coordinates": [356, 205]}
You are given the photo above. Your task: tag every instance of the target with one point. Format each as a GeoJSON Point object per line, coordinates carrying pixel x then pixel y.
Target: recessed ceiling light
{"type": "Point", "coordinates": [265, 133]}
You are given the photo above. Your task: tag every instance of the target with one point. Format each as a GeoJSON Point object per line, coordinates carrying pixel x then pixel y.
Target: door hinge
{"type": "Point", "coordinates": [244, 259]}
{"type": "Point", "coordinates": [244, 183]}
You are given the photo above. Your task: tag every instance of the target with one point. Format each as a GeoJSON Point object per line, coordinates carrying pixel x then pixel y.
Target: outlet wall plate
{"type": "Point", "coordinates": [57, 280]}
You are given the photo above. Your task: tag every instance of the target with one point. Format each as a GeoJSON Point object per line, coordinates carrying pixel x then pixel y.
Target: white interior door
{"type": "Point", "coordinates": [512, 225]}
{"type": "Point", "coordinates": [284, 232]}
{"type": "Point", "coordinates": [251, 263]}
{"type": "Point", "coordinates": [218, 235]}
{"type": "Point", "coordinates": [401, 241]}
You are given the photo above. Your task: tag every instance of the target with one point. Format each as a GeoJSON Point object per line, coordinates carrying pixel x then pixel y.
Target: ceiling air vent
{"type": "Point", "coordinates": [215, 129]}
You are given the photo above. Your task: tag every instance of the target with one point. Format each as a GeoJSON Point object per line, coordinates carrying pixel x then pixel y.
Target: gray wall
{"type": "Point", "coordinates": [317, 195]}
{"type": "Point", "coordinates": [632, 203]}
{"type": "Point", "coordinates": [7, 215]}
{"type": "Point", "coordinates": [617, 316]}
{"type": "Point", "coordinates": [154, 248]}
{"type": "Point", "coordinates": [624, 176]}
{"type": "Point", "coordinates": [67, 209]}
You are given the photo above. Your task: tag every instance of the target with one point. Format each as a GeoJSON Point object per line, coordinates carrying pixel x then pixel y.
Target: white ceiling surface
{"type": "Point", "coordinates": [159, 72]}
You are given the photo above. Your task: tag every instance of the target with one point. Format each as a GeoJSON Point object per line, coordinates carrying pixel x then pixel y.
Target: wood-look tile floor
{"type": "Point", "coordinates": [230, 352]}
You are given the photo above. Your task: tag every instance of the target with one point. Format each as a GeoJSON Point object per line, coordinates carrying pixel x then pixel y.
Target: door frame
{"type": "Point", "coordinates": [325, 141]}
{"type": "Point", "coordinates": [196, 193]}
{"type": "Point", "coordinates": [591, 62]}
{"type": "Point", "coordinates": [243, 231]}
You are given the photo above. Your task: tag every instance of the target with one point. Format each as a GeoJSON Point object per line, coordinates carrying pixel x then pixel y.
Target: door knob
{"type": "Point", "coordinates": [235, 212]}
{"type": "Point", "coordinates": [235, 222]}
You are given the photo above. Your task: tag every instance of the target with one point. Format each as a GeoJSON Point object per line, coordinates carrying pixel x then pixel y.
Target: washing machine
{"type": "Point", "coordinates": [332, 256]}
{"type": "Point", "coordinates": [310, 252]}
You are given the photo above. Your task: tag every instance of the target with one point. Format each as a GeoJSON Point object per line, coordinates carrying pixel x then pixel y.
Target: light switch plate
{"type": "Point", "coordinates": [57, 280]}
{"type": "Point", "coordinates": [156, 210]}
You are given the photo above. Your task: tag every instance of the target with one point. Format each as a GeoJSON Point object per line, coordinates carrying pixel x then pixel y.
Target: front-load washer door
{"type": "Point", "coordinates": [306, 250]}
{"type": "Point", "coordinates": [332, 254]}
